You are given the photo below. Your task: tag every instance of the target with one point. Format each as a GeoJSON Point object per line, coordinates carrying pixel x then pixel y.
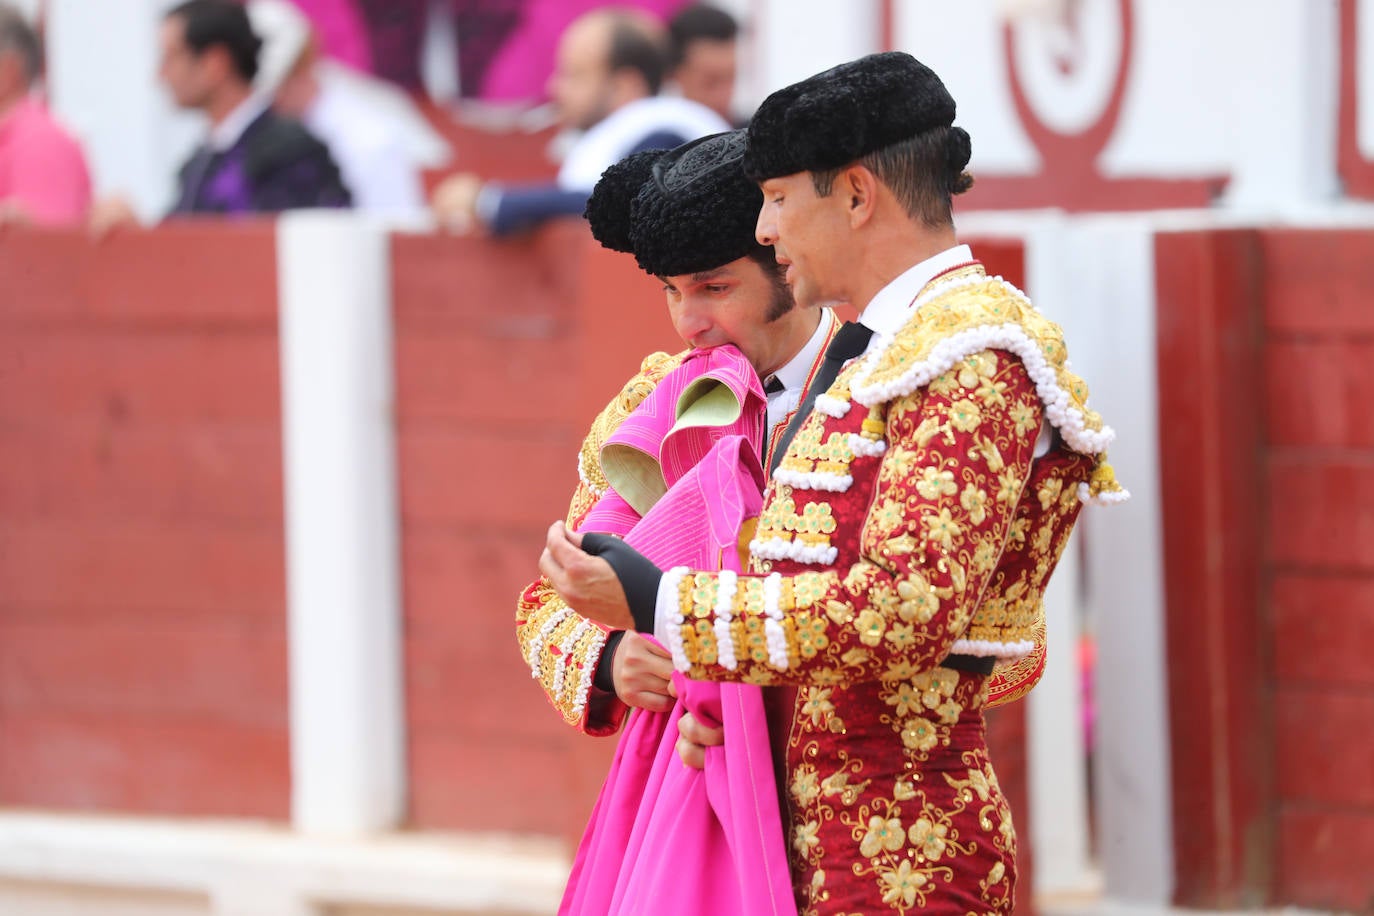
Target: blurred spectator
{"type": "Point", "coordinates": [609, 69]}
{"type": "Point", "coordinates": [43, 174]}
{"type": "Point", "coordinates": [520, 68]}
{"type": "Point", "coordinates": [504, 48]}
{"type": "Point", "coordinates": [702, 56]}
{"type": "Point", "coordinates": [366, 141]}
{"type": "Point", "coordinates": [253, 161]}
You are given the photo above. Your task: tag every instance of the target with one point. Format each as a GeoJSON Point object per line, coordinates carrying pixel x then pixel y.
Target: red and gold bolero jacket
{"type": "Point", "coordinates": [908, 520]}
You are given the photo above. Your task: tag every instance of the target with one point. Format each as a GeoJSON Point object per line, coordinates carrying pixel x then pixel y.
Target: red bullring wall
{"type": "Point", "coordinates": [142, 576]}
{"type": "Point", "coordinates": [143, 655]}
{"type": "Point", "coordinates": [1266, 366]}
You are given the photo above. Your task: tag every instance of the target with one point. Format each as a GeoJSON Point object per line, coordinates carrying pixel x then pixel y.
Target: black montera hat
{"type": "Point", "coordinates": [833, 118]}
{"type": "Point", "coordinates": [679, 211]}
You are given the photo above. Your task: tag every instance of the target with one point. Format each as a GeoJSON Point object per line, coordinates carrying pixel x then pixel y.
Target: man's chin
{"type": "Point", "coordinates": [807, 298]}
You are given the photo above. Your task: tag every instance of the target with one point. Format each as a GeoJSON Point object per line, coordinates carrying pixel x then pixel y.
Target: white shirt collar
{"type": "Point", "coordinates": [888, 310]}
{"type": "Point", "coordinates": [227, 132]}
{"type": "Point", "coordinates": [794, 372]}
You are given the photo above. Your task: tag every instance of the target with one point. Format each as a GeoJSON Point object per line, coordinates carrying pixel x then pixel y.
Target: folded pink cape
{"type": "Point", "coordinates": [664, 838]}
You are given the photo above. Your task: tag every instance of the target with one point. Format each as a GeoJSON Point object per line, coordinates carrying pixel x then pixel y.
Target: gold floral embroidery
{"type": "Point", "coordinates": [935, 483]}
{"type": "Point", "coordinates": [941, 528]}
{"type": "Point", "coordinates": [975, 501]}
{"type": "Point", "coordinates": [883, 833]}
{"type": "Point", "coordinates": [965, 416]}
{"type": "Point", "coordinates": [1008, 487]}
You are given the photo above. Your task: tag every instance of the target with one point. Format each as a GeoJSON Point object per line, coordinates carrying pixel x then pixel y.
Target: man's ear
{"type": "Point", "coordinates": [860, 189]}
{"type": "Point", "coordinates": [220, 64]}
{"type": "Point", "coordinates": [11, 71]}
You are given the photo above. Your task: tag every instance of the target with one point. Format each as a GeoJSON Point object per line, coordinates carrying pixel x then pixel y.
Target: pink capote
{"type": "Point", "coordinates": [665, 838]}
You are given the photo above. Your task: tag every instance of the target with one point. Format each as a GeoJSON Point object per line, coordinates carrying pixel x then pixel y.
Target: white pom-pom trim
{"type": "Point", "coordinates": [566, 647]}
{"type": "Point", "coordinates": [726, 584]}
{"type": "Point", "coordinates": [951, 350]}
{"type": "Point", "coordinates": [813, 480]}
{"type": "Point", "coordinates": [831, 407]}
{"type": "Point", "coordinates": [1110, 498]}
{"type": "Point", "coordinates": [584, 688]}
{"type": "Point", "coordinates": [1003, 650]}
{"type": "Point", "coordinates": [586, 482]}
{"type": "Point", "coordinates": [672, 581]}
{"type": "Point", "coordinates": [779, 549]}
{"type": "Point", "coordinates": [870, 448]}
{"type": "Point", "coordinates": [536, 647]}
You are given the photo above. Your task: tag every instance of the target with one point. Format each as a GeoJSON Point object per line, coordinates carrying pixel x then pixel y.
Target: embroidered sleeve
{"type": "Point", "coordinates": [929, 535]}
{"type": "Point", "coordinates": [561, 647]}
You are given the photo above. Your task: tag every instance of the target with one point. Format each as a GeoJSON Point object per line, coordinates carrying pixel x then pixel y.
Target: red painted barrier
{"type": "Point", "coordinates": [504, 353]}
{"type": "Point", "coordinates": [142, 577]}
{"type": "Point", "coordinates": [1268, 481]}
{"type": "Point", "coordinates": [1320, 507]}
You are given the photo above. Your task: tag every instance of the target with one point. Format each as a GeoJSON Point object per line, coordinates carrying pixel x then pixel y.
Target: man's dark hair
{"type": "Point", "coordinates": [224, 23]}
{"type": "Point", "coordinates": [634, 48]}
{"type": "Point", "coordinates": [923, 172]}
{"type": "Point", "coordinates": [698, 22]}
{"type": "Point", "coordinates": [17, 36]}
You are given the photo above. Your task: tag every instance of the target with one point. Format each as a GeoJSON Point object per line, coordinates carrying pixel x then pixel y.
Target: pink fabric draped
{"type": "Point", "coordinates": [664, 838]}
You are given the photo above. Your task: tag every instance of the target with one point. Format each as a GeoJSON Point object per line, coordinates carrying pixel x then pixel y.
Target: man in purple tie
{"type": "Point", "coordinates": [252, 160]}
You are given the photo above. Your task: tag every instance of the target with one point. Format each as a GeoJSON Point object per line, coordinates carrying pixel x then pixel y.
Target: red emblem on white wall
{"type": "Point", "coordinates": [1068, 77]}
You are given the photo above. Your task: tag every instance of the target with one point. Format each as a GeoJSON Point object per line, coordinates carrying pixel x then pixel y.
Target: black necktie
{"type": "Point", "coordinates": [774, 385]}
{"type": "Point", "coordinates": [850, 341]}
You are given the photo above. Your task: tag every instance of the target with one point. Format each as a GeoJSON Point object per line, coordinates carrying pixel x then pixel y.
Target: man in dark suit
{"type": "Point", "coordinates": [252, 160]}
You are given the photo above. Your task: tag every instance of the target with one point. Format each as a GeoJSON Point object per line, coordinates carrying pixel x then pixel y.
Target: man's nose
{"type": "Point", "coordinates": [692, 324]}
{"type": "Point", "coordinates": [766, 229]}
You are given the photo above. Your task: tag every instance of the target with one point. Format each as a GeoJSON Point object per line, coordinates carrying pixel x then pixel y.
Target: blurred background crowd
{"type": "Point", "coordinates": [346, 104]}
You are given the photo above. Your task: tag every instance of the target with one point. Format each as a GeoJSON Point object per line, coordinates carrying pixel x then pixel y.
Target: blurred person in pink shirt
{"type": "Point", "coordinates": [43, 174]}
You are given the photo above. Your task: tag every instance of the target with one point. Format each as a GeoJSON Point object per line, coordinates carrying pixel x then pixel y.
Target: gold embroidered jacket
{"type": "Point", "coordinates": [908, 519]}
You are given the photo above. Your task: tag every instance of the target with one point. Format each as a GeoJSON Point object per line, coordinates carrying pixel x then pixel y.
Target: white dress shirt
{"type": "Point", "coordinates": [368, 146]}
{"type": "Point", "coordinates": [891, 308]}
{"type": "Point", "coordinates": [793, 374]}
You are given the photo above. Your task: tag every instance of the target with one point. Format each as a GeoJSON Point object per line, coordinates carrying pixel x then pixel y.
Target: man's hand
{"type": "Point", "coordinates": [694, 738]}
{"type": "Point", "coordinates": [642, 672]}
{"type": "Point", "coordinates": [111, 213]}
{"type": "Point", "coordinates": [454, 203]}
{"type": "Point", "coordinates": [586, 583]}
